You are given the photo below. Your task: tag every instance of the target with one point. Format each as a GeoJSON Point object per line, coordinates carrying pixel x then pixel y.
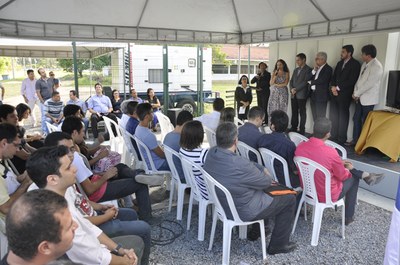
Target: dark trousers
{"type": "Point", "coordinates": [94, 119]}
{"type": "Point", "coordinates": [262, 102]}
{"type": "Point", "coordinates": [339, 115]}
{"type": "Point", "coordinates": [360, 115]}
{"type": "Point", "coordinates": [350, 189]}
{"type": "Point", "coordinates": [282, 210]}
{"type": "Point", "coordinates": [134, 242]}
{"type": "Point", "coordinates": [125, 224]}
{"type": "Point", "coordinates": [318, 109]}
{"type": "Point", "coordinates": [124, 185]}
{"type": "Point", "coordinates": [299, 106]}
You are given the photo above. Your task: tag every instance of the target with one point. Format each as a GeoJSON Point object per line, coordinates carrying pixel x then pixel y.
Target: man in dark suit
{"type": "Point", "coordinates": [299, 93]}
{"type": "Point", "coordinates": [342, 86]}
{"type": "Point", "coordinates": [262, 79]}
{"type": "Point", "coordinates": [319, 85]}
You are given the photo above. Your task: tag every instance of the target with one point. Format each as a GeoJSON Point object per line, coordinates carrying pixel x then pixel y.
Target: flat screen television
{"type": "Point", "coordinates": [393, 90]}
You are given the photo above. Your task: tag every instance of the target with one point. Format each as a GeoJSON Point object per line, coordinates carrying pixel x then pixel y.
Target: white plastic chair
{"type": "Point", "coordinates": [50, 127]}
{"type": "Point", "coordinates": [3, 240]}
{"type": "Point", "coordinates": [307, 170]}
{"type": "Point", "coordinates": [245, 150]}
{"type": "Point", "coordinates": [165, 124]}
{"type": "Point", "coordinates": [170, 154]}
{"type": "Point", "coordinates": [297, 138]}
{"type": "Point", "coordinates": [211, 136]}
{"type": "Point", "coordinates": [219, 213]}
{"type": "Point", "coordinates": [116, 141]}
{"type": "Point", "coordinates": [341, 150]}
{"type": "Point", "coordinates": [196, 184]}
{"type": "Point", "coordinates": [138, 163]}
{"type": "Point", "coordinates": [269, 158]}
{"type": "Point", "coordinates": [148, 163]}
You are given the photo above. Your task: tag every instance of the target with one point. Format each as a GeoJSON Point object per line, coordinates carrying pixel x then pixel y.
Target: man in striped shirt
{"type": "Point", "coordinates": [53, 109]}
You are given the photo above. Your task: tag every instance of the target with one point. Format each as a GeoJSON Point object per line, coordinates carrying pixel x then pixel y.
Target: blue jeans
{"type": "Point", "coordinates": [43, 119]}
{"type": "Point", "coordinates": [126, 224]}
{"type": "Point", "coordinates": [360, 115]}
{"type": "Point", "coordinates": [124, 184]}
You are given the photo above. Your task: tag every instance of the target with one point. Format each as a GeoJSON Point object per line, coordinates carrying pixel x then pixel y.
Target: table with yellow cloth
{"type": "Point", "coordinates": [381, 130]}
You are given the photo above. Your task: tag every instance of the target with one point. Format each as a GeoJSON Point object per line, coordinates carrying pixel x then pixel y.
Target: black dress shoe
{"type": "Point", "coordinates": [285, 249]}
{"type": "Point", "coordinates": [348, 220]}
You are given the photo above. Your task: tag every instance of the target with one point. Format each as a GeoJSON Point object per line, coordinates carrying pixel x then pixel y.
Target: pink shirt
{"type": "Point", "coordinates": [316, 150]}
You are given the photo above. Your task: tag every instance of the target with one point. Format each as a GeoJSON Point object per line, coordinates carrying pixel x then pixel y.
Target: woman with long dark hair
{"type": "Point", "coordinates": [155, 105]}
{"type": "Point", "coordinates": [116, 103]}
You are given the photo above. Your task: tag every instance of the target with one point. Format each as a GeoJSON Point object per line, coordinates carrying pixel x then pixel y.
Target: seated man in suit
{"type": "Point", "coordinates": [246, 181]}
{"type": "Point", "coordinates": [344, 177]}
{"type": "Point", "coordinates": [249, 132]}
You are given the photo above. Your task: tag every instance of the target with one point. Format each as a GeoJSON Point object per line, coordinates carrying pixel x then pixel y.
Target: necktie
{"type": "Point", "coordinates": [363, 70]}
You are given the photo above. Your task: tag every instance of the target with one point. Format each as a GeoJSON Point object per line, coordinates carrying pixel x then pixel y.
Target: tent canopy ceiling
{"type": "Point", "coordinates": [206, 21]}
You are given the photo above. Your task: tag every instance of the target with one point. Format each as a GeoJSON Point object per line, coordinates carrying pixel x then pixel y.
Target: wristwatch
{"type": "Point", "coordinates": [115, 251]}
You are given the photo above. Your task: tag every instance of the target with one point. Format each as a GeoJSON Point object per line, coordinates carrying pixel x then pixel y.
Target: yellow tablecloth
{"type": "Point", "coordinates": [381, 130]}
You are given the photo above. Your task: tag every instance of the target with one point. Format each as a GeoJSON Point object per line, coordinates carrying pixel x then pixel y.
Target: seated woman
{"type": "Point", "coordinates": [23, 113]}
{"type": "Point", "coordinates": [116, 103]}
{"type": "Point", "coordinates": [155, 104]}
{"type": "Point", "coordinates": [192, 136]}
{"type": "Point", "coordinates": [227, 115]}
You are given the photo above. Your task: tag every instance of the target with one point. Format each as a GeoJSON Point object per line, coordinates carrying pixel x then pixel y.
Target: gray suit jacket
{"type": "Point", "coordinates": [299, 81]}
{"type": "Point", "coordinates": [245, 181]}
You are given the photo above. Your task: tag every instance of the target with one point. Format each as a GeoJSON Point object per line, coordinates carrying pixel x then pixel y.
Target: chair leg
{"type": "Point", "coordinates": [190, 210]}
{"type": "Point", "coordinates": [242, 231]}
{"type": "Point", "coordinates": [343, 219]}
{"type": "Point", "coordinates": [318, 212]}
{"type": "Point", "coordinates": [226, 243]}
{"type": "Point", "coordinates": [202, 220]}
{"type": "Point", "coordinates": [181, 195]}
{"type": "Point", "coordinates": [263, 243]}
{"type": "Point", "coordinates": [171, 194]}
{"type": "Point", "coordinates": [298, 214]}
{"type": "Point", "coordinates": [214, 225]}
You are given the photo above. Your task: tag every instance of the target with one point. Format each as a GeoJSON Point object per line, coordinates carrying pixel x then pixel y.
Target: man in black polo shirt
{"type": "Point", "coordinates": [44, 90]}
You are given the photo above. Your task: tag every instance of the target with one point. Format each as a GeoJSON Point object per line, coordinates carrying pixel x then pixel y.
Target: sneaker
{"type": "Point", "coordinates": [373, 178]}
{"type": "Point", "coordinates": [352, 143]}
{"type": "Point", "coordinates": [291, 246]}
{"type": "Point", "coordinates": [152, 180]}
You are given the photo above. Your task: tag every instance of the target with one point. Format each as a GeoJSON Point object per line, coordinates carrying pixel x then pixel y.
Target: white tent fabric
{"type": "Point", "coordinates": [190, 21]}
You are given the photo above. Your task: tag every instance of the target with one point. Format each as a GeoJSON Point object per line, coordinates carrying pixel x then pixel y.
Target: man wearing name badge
{"type": "Point", "coordinates": [99, 105]}
{"type": "Point", "coordinates": [367, 88]}
{"type": "Point", "coordinates": [321, 77]}
{"type": "Point", "coordinates": [342, 86]}
{"type": "Point", "coordinates": [44, 90]}
{"type": "Point", "coordinates": [28, 92]}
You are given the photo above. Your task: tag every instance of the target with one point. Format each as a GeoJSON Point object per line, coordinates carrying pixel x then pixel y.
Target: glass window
{"type": "Point", "coordinates": [156, 76]}
{"type": "Point", "coordinates": [219, 69]}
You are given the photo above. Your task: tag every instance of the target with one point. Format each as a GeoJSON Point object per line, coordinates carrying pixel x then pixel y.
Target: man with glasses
{"type": "Point", "coordinates": [9, 145]}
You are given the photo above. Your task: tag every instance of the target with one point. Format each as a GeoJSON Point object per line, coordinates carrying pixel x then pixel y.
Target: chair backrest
{"type": "Point", "coordinates": [297, 138]}
{"type": "Point", "coordinates": [110, 122]}
{"type": "Point", "coordinates": [165, 124]}
{"type": "Point", "coordinates": [211, 136]}
{"type": "Point", "coordinates": [51, 128]}
{"type": "Point", "coordinates": [340, 149]}
{"type": "Point", "coordinates": [248, 152]}
{"type": "Point", "coordinates": [145, 153]}
{"type": "Point", "coordinates": [212, 186]}
{"type": "Point", "coordinates": [307, 169]}
{"type": "Point", "coordinates": [172, 157]}
{"type": "Point", "coordinates": [197, 184]}
{"type": "Point", "coordinates": [139, 163]}
{"type": "Point", "coordinates": [269, 158]}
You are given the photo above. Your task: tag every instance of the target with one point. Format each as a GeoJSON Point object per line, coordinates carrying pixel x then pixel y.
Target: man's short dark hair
{"type": "Point", "coordinates": [29, 71]}
{"type": "Point", "coordinates": [55, 93]}
{"type": "Point", "coordinates": [192, 135]}
{"type": "Point", "coordinates": [322, 126]}
{"type": "Point", "coordinates": [280, 120]}
{"type": "Point", "coordinates": [183, 117]}
{"type": "Point", "coordinates": [31, 220]}
{"type": "Point", "coordinates": [43, 162]}
{"type": "Point", "coordinates": [142, 110]}
{"type": "Point", "coordinates": [71, 124]}
{"type": "Point", "coordinates": [131, 107]}
{"type": "Point", "coordinates": [256, 112]}
{"type": "Point", "coordinates": [349, 48]}
{"type": "Point", "coordinates": [302, 56]}
{"type": "Point", "coordinates": [98, 84]}
{"type": "Point", "coordinates": [6, 109]}
{"type": "Point", "coordinates": [369, 49]}
{"type": "Point", "coordinates": [226, 134]}
{"type": "Point", "coordinates": [218, 104]}
{"type": "Point", "coordinates": [56, 81]}
{"type": "Point", "coordinates": [73, 92]}
{"type": "Point", "coordinates": [227, 115]}
{"type": "Point", "coordinates": [71, 110]}
{"type": "Point", "coordinates": [8, 132]}
{"type": "Point", "coordinates": [55, 137]}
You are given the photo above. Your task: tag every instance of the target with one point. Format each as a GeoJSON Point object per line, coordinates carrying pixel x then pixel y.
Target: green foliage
{"type": "Point", "coordinates": [5, 63]}
{"type": "Point", "coordinates": [84, 64]}
{"type": "Point", "coordinates": [218, 57]}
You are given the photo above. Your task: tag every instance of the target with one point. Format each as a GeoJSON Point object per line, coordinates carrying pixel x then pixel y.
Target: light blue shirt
{"type": "Point", "coordinates": [150, 140]}
{"type": "Point", "coordinates": [79, 103]}
{"type": "Point", "coordinates": [99, 104]}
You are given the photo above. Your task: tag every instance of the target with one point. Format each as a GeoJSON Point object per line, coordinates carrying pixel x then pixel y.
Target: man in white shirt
{"type": "Point", "coordinates": [28, 92]}
{"type": "Point", "coordinates": [366, 90]}
{"type": "Point", "coordinates": [52, 169]}
{"type": "Point", "coordinates": [211, 120]}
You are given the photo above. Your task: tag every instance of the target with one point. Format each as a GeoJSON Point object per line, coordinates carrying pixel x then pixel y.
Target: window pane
{"type": "Point", "coordinates": [156, 76]}
{"type": "Point", "coordinates": [219, 69]}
